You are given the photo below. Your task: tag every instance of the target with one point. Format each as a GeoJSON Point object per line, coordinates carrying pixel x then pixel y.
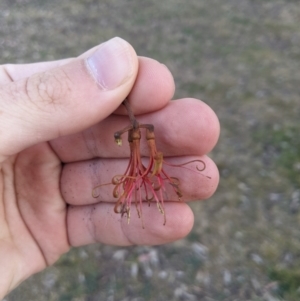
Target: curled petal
{"type": "Point", "coordinates": [157, 188]}
{"type": "Point", "coordinates": [94, 194]}
{"type": "Point", "coordinates": [189, 162]}
{"type": "Point", "coordinates": [179, 194]}
{"type": "Point", "coordinates": [175, 181]}
{"type": "Point", "coordinates": [119, 206]}
{"type": "Point", "coordinates": [116, 192]}
{"type": "Point", "coordinates": [149, 200]}
{"type": "Point", "coordinates": [119, 179]}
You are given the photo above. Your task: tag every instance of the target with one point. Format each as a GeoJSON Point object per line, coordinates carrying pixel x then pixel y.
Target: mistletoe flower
{"type": "Point", "coordinates": [141, 183]}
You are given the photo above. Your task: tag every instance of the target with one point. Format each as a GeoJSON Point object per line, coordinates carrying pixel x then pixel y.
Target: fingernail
{"type": "Point", "coordinates": [111, 65]}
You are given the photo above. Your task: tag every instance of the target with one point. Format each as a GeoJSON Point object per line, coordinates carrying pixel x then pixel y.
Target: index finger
{"type": "Point", "coordinates": [183, 127]}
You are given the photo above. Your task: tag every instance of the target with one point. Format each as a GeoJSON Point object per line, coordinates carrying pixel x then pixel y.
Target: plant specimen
{"type": "Point", "coordinates": [142, 182]}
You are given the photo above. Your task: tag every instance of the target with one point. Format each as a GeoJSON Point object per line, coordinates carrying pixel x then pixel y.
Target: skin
{"type": "Point", "coordinates": [56, 146]}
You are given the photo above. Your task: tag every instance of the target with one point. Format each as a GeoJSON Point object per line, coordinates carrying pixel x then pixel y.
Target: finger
{"type": "Point", "coordinates": [80, 181]}
{"type": "Point", "coordinates": [153, 88]}
{"type": "Point", "coordinates": [15, 72]}
{"type": "Point", "coordinates": [183, 127]}
{"type": "Point", "coordinates": [98, 223]}
{"type": "Point", "coordinates": [67, 99]}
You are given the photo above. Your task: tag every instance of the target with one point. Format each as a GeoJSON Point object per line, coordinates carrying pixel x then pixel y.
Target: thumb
{"type": "Point", "coordinates": [67, 99]}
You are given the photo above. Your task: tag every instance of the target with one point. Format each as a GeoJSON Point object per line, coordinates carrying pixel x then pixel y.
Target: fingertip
{"type": "Point", "coordinates": [209, 183]}
{"type": "Point", "coordinates": [153, 89]}
{"type": "Point", "coordinates": [195, 127]}
{"type": "Point", "coordinates": [112, 64]}
{"type": "Point", "coordinates": [203, 122]}
{"type": "Point", "coordinates": [179, 223]}
{"type": "Point", "coordinates": [214, 123]}
{"type": "Point", "coordinates": [195, 183]}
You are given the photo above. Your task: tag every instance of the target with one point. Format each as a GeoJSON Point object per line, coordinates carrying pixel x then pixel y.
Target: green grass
{"type": "Point", "coordinates": [282, 146]}
{"type": "Point", "coordinates": [288, 282]}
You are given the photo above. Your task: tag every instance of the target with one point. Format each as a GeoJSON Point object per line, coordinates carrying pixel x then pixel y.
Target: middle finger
{"type": "Point", "coordinates": [80, 180]}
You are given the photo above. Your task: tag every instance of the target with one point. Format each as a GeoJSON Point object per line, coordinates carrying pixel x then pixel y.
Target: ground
{"type": "Point", "coordinates": [242, 57]}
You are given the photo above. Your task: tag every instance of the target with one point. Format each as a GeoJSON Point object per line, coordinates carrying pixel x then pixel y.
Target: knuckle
{"type": "Point", "coordinates": [47, 89]}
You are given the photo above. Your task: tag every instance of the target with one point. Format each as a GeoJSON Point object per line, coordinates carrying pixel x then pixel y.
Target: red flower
{"type": "Point", "coordinates": [139, 182]}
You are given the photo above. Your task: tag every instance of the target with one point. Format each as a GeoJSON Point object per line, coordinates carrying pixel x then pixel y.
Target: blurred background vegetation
{"type": "Point", "coordinates": [242, 57]}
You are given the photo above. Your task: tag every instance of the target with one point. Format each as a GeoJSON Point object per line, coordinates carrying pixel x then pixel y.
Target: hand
{"type": "Point", "coordinates": [57, 121]}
